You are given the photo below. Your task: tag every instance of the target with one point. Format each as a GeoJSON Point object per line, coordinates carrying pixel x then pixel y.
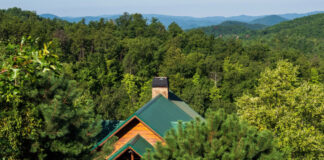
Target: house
{"type": "Point", "coordinates": [148, 125]}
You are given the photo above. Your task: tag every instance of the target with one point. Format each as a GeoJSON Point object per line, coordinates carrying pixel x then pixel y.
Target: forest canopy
{"type": "Point", "coordinates": [59, 79]}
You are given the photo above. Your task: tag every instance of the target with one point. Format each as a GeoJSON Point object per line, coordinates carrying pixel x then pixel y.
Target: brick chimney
{"type": "Point", "coordinates": [160, 85]}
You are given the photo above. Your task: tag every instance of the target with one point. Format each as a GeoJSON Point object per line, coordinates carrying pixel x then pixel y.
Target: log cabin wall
{"type": "Point", "coordinates": [132, 129]}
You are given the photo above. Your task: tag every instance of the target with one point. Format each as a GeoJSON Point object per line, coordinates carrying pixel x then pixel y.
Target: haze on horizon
{"type": "Point", "coordinates": [194, 8]}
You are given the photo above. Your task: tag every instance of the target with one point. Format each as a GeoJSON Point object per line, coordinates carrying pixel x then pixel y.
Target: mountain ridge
{"type": "Point", "coordinates": [185, 22]}
{"type": "Point", "coordinates": [229, 28]}
{"type": "Point", "coordinates": [269, 20]}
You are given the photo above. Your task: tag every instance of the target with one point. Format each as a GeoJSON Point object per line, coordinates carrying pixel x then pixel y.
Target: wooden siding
{"type": "Point", "coordinates": [130, 131]}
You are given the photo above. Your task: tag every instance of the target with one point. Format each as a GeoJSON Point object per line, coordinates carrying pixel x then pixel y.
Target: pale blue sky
{"type": "Point", "coordinates": [195, 8]}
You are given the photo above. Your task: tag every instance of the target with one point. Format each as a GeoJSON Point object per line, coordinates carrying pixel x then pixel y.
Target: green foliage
{"type": "Point", "coordinates": [174, 29]}
{"type": "Point", "coordinates": [292, 109]}
{"type": "Point", "coordinates": [303, 34]}
{"type": "Point", "coordinates": [130, 84]}
{"type": "Point", "coordinates": [221, 137]}
{"type": "Point", "coordinates": [230, 28]}
{"type": "Point", "coordinates": [314, 75]}
{"type": "Point", "coordinates": [21, 66]}
{"type": "Point", "coordinates": [103, 151]}
{"type": "Point", "coordinates": [108, 66]}
{"type": "Point", "coordinates": [215, 94]}
{"type": "Point", "coordinates": [21, 70]}
{"type": "Point", "coordinates": [196, 93]}
{"type": "Point", "coordinates": [269, 20]}
{"type": "Point", "coordinates": [137, 48]}
{"type": "Point", "coordinates": [42, 113]}
{"type": "Point", "coordinates": [69, 121]}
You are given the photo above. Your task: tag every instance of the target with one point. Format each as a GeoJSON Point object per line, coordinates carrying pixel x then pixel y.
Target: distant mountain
{"type": "Point", "coordinates": [305, 34]}
{"type": "Point", "coordinates": [78, 19]}
{"type": "Point", "coordinates": [185, 22]}
{"type": "Point", "coordinates": [231, 28]}
{"type": "Point", "coordinates": [309, 27]}
{"type": "Point", "coordinates": [269, 20]}
{"type": "Point", "coordinates": [247, 25]}
{"type": "Point", "coordinates": [243, 18]}
{"type": "Point", "coordinates": [291, 16]}
{"type": "Point", "coordinates": [50, 16]}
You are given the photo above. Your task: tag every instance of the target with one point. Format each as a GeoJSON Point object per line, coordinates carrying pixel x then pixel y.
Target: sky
{"type": "Point", "coordinates": [194, 8]}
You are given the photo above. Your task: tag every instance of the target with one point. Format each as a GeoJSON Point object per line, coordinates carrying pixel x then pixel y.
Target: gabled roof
{"type": "Point", "coordinates": [184, 106]}
{"type": "Point", "coordinates": [159, 114]}
{"type": "Point", "coordinates": [137, 144]}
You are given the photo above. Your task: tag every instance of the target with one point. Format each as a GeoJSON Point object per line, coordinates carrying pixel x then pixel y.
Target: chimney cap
{"type": "Point", "coordinates": [160, 82]}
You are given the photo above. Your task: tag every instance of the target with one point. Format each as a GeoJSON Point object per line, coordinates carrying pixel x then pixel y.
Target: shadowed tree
{"type": "Point", "coordinates": [222, 136]}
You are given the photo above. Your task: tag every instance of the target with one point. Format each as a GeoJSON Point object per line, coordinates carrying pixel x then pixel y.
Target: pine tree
{"type": "Point", "coordinates": [222, 136]}
{"type": "Point", "coordinates": [69, 124]}
{"type": "Point", "coordinates": [22, 67]}
{"type": "Point", "coordinates": [44, 115]}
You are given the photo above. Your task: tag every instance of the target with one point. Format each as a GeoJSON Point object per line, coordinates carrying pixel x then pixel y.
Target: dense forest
{"type": "Point", "coordinates": [59, 80]}
{"type": "Point", "coordinates": [230, 28]}
{"type": "Point", "coordinates": [269, 20]}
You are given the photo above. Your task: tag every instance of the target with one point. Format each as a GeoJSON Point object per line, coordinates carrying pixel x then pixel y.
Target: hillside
{"type": "Point", "coordinates": [231, 28]}
{"type": "Point", "coordinates": [269, 20]}
{"type": "Point", "coordinates": [310, 26]}
{"type": "Point", "coordinates": [305, 34]}
{"type": "Point", "coordinates": [291, 16]}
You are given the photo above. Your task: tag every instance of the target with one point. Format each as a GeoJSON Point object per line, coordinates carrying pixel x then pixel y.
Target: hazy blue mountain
{"type": "Point", "coordinates": [305, 27]}
{"type": "Point", "coordinates": [185, 22]}
{"type": "Point", "coordinates": [88, 18]}
{"type": "Point", "coordinates": [291, 16]}
{"type": "Point", "coordinates": [50, 16]}
{"type": "Point", "coordinates": [243, 18]}
{"type": "Point", "coordinates": [269, 20]}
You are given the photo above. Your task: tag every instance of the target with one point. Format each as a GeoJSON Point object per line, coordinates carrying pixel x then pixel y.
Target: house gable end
{"type": "Point", "coordinates": [129, 129]}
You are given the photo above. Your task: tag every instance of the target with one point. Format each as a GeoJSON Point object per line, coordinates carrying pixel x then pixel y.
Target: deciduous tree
{"type": "Point", "coordinates": [292, 109]}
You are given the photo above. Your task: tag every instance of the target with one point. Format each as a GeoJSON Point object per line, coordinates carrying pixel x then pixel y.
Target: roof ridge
{"type": "Point", "coordinates": [142, 109]}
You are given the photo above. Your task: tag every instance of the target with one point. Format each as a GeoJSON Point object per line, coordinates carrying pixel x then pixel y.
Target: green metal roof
{"type": "Point", "coordinates": [184, 106]}
{"type": "Point", "coordinates": [110, 133]}
{"type": "Point", "coordinates": [138, 144]}
{"type": "Point", "coordinates": [160, 114]}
